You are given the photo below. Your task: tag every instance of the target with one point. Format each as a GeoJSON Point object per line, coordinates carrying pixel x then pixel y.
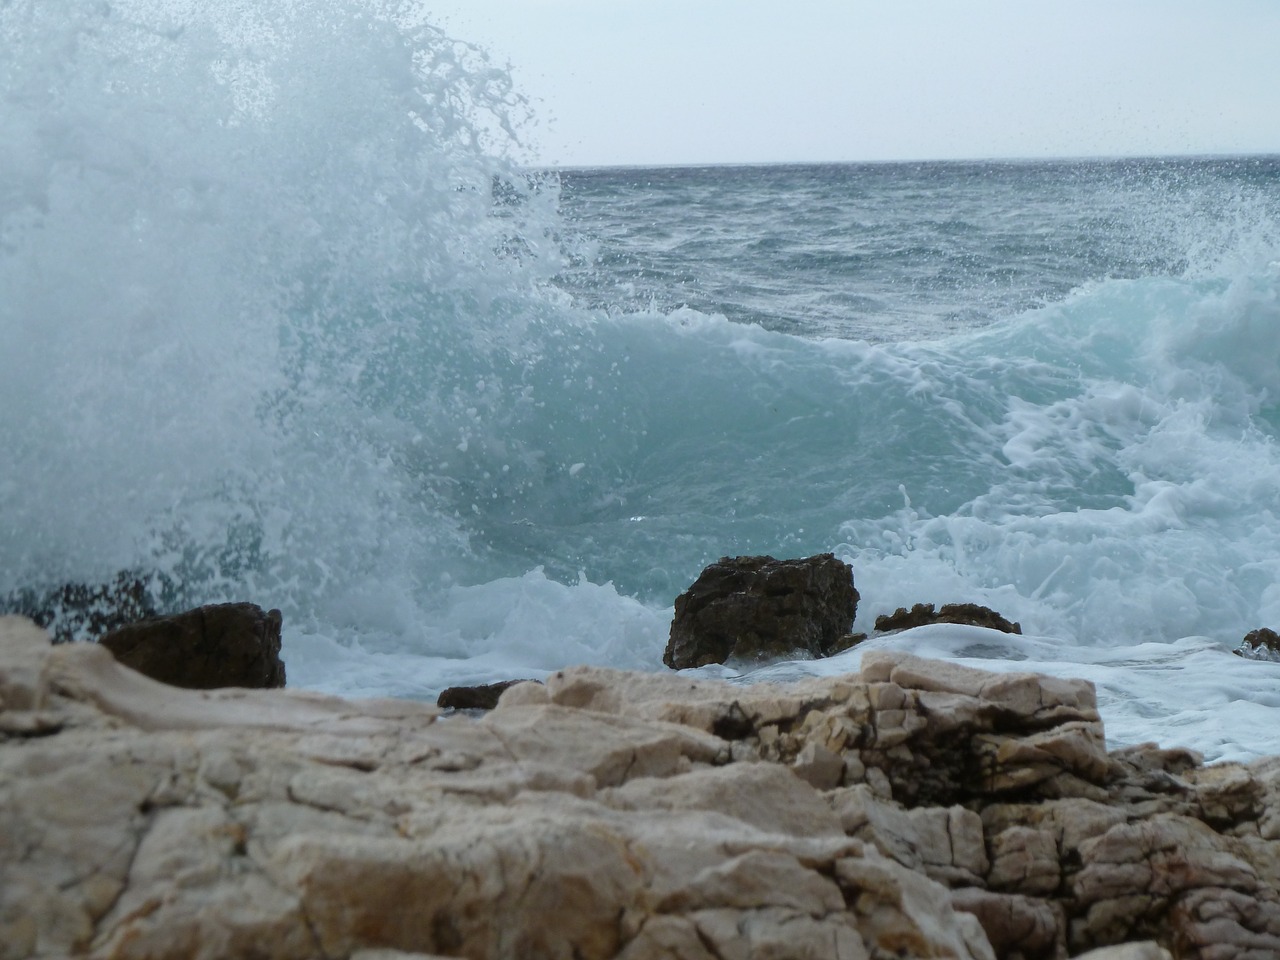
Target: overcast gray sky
{"type": "Point", "coordinates": [723, 81]}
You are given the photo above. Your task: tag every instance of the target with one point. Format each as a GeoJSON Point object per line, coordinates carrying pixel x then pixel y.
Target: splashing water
{"type": "Point", "coordinates": [283, 318]}
{"type": "Point", "coordinates": [254, 279]}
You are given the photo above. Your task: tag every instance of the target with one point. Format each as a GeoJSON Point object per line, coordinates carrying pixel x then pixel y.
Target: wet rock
{"type": "Point", "coordinates": [971, 614]}
{"type": "Point", "coordinates": [480, 697]}
{"type": "Point", "coordinates": [756, 608]}
{"type": "Point", "coordinates": [220, 645]}
{"type": "Point", "coordinates": [1260, 644]}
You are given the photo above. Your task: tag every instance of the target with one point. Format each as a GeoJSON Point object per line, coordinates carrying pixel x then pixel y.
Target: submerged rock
{"type": "Point", "coordinates": [220, 645]}
{"type": "Point", "coordinates": [916, 808]}
{"type": "Point", "coordinates": [754, 608]}
{"type": "Point", "coordinates": [971, 614]}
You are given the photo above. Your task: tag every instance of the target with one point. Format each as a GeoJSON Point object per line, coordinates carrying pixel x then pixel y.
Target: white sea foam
{"type": "Point", "coordinates": [1190, 692]}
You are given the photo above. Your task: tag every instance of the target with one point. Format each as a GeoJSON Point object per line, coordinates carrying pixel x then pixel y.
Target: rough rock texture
{"type": "Point", "coordinates": [923, 613]}
{"type": "Point", "coordinates": [917, 809]}
{"type": "Point", "coordinates": [754, 608]}
{"type": "Point", "coordinates": [221, 645]}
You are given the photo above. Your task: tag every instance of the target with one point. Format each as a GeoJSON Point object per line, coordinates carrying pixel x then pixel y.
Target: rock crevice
{"type": "Point", "coordinates": [916, 808]}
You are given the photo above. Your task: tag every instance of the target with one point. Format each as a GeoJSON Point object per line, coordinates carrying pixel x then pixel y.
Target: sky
{"type": "Point", "coordinates": [636, 82]}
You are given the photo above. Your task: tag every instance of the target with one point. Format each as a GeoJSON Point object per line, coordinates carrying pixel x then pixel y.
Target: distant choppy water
{"type": "Point", "coordinates": [283, 319]}
{"type": "Point", "coordinates": [894, 251]}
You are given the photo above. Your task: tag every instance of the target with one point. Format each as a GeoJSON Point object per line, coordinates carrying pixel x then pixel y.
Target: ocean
{"type": "Point", "coordinates": [288, 315]}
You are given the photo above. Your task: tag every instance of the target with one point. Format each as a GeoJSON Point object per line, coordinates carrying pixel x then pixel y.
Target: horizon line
{"type": "Point", "coordinates": [1011, 159]}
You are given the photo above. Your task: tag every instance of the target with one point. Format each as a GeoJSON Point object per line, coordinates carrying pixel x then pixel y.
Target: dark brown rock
{"type": "Point", "coordinates": [1260, 644]}
{"type": "Point", "coordinates": [221, 645]}
{"type": "Point", "coordinates": [482, 697]}
{"type": "Point", "coordinates": [966, 613]}
{"type": "Point", "coordinates": [756, 608]}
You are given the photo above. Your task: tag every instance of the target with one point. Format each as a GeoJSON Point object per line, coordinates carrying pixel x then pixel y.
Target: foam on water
{"type": "Point", "coordinates": [278, 323]}
{"type": "Point", "coordinates": [241, 251]}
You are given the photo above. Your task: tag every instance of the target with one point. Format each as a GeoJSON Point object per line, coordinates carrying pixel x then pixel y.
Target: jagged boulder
{"type": "Point", "coordinates": [220, 645]}
{"type": "Point", "coordinates": [971, 614]}
{"type": "Point", "coordinates": [757, 608]}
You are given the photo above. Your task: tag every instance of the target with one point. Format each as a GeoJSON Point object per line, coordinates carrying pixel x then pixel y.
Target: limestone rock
{"type": "Point", "coordinates": [221, 645]}
{"type": "Point", "coordinates": [1016, 925]}
{"type": "Point", "coordinates": [916, 808]}
{"type": "Point", "coordinates": [22, 659]}
{"type": "Point", "coordinates": [754, 608]}
{"type": "Point", "coordinates": [1145, 950]}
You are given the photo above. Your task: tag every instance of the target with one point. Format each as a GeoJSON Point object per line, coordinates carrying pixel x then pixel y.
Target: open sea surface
{"type": "Point", "coordinates": [286, 317]}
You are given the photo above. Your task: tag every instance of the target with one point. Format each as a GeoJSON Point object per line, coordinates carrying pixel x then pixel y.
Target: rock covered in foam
{"type": "Point", "coordinates": [751, 608]}
{"type": "Point", "coordinates": [924, 613]}
{"type": "Point", "coordinates": [1260, 644]}
{"type": "Point", "coordinates": [915, 809]}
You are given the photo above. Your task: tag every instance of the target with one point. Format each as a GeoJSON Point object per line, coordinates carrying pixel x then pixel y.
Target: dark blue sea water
{"type": "Point", "coordinates": [286, 315]}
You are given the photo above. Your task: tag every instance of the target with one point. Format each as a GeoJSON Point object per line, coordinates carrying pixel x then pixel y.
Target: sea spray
{"type": "Point", "coordinates": [283, 319]}
{"type": "Point", "coordinates": [254, 279]}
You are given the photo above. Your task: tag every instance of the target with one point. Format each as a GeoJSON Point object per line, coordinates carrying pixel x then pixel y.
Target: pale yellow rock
{"type": "Point", "coordinates": [1027, 694]}
{"type": "Point", "coordinates": [1024, 860]}
{"type": "Point", "coordinates": [527, 693]}
{"type": "Point", "coordinates": [24, 647]}
{"type": "Point", "coordinates": [1069, 821]}
{"type": "Point", "coordinates": [88, 672]}
{"type": "Point", "coordinates": [764, 795]}
{"type": "Point", "coordinates": [944, 843]}
{"type": "Point", "coordinates": [882, 894]}
{"type": "Point", "coordinates": [753, 880]}
{"type": "Point", "coordinates": [1146, 950]}
{"type": "Point", "coordinates": [778, 934]}
{"type": "Point", "coordinates": [612, 814]}
{"type": "Point", "coordinates": [1228, 793]}
{"type": "Point", "coordinates": [821, 768]}
{"type": "Point", "coordinates": [612, 748]}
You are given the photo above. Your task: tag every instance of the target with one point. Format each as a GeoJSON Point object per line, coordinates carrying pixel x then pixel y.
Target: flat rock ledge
{"type": "Point", "coordinates": [915, 809]}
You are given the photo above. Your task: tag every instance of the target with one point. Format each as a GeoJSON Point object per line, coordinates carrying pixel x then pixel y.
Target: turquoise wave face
{"type": "Point", "coordinates": [1081, 461]}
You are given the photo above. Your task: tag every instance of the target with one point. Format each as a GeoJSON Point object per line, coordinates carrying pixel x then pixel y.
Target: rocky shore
{"type": "Point", "coordinates": [916, 809]}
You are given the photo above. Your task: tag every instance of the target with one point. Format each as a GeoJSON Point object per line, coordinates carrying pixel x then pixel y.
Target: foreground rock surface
{"type": "Point", "coordinates": [219, 645]}
{"type": "Point", "coordinates": [917, 809]}
{"type": "Point", "coordinates": [752, 608]}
